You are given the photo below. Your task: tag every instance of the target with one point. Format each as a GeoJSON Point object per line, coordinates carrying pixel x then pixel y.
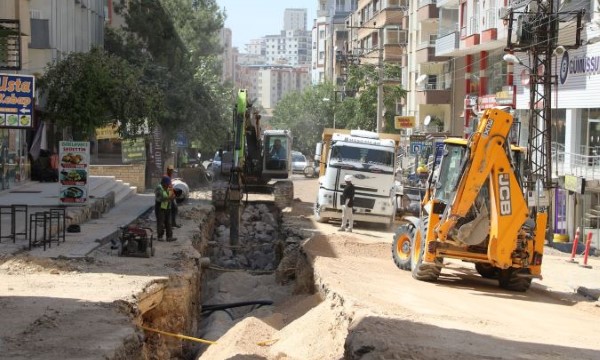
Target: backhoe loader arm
{"type": "Point", "coordinates": [488, 161]}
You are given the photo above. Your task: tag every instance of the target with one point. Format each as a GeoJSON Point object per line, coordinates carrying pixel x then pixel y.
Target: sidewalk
{"type": "Point", "coordinates": [94, 232]}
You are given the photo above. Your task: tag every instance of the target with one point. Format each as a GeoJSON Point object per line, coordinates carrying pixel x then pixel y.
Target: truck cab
{"type": "Point", "coordinates": [371, 161]}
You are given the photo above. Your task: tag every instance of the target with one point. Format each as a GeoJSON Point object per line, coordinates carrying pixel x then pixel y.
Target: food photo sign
{"type": "Point", "coordinates": [73, 171]}
{"type": "Point", "coordinates": [16, 101]}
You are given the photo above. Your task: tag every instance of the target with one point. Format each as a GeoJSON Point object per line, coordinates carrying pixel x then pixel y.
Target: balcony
{"type": "Point", "coordinates": [450, 4]}
{"type": "Point", "coordinates": [427, 11]}
{"type": "Point", "coordinates": [427, 54]}
{"type": "Point", "coordinates": [388, 17]}
{"type": "Point", "coordinates": [10, 44]}
{"type": "Point", "coordinates": [445, 45]}
{"type": "Point", "coordinates": [432, 96]}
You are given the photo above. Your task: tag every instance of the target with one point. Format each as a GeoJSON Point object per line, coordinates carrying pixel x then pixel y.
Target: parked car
{"type": "Point", "coordinates": [220, 164]}
{"type": "Point", "coordinates": [298, 162]}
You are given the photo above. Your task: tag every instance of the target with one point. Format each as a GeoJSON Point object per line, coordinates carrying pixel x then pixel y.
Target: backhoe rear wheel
{"type": "Point", "coordinates": [515, 279]}
{"type": "Point", "coordinates": [403, 238]}
{"type": "Point", "coordinates": [421, 271]}
{"type": "Point", "coordinates": [487, 271]}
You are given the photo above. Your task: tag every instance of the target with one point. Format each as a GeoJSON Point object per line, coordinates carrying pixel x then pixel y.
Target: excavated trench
{"type": "Point", "coordinates": [221, 284]}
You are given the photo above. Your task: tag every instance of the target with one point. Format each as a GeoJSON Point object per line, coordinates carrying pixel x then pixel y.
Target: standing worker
{"type": "Point", "coordinates": [164, 196]}
{"type": "Point", "coordinates": [174, 209]}
{"type": "Point", "coordinates": [347, 205]}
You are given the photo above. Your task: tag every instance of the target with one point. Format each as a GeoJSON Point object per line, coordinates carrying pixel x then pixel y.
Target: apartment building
{"type": "Point", "coordinates": [270, 83]}
{"type": "Point", "coordinates": [294, 19]}
{"type": "Point", "coordinates": [329, 34]}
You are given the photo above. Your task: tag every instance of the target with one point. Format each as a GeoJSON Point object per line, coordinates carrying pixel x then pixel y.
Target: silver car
{"type": "Point", "coordinates": [298, 162]}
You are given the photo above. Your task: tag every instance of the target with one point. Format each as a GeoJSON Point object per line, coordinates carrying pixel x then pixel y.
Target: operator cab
{"type": "Point", "coordinates": [278, 154]}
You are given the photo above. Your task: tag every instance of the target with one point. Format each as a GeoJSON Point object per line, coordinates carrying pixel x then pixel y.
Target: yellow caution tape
{"type": "Point", "coordinates": [267, 342]}
{"type": "Point", "coordinates": [179, 336]}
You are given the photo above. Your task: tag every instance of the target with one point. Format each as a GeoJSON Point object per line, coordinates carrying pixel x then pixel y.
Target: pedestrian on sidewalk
{"type": "Point", "coordinates": [347, 205]}
{"type": "Point", "coordinates": [164, 196]}
{"type": "Point", "coordinates": [174, 208]}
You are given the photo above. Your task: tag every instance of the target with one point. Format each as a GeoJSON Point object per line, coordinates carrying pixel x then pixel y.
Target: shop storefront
{"type": "Point", "coordinates": [16, 118]}
{"type": "Point", "coordinates": [575, 136]}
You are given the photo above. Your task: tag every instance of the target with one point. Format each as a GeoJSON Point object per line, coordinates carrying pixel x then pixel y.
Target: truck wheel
{"type": "Point", "coordinates": [401, 246]}
{"type": "Point", "coordinates": [317, 213]}
{"type": "Point", "coordinates": [283, 192]}
{"type": "Point", "coordinates": [487, 271]}
{"type": "Point", "coordinates": [515, 279]}
{"type": "Point", "coordinates": [420, 271]}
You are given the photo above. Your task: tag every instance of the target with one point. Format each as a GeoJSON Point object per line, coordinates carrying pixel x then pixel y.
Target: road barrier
{"type": "Point", "coordinates": [574, 250]}
{"type": "Point", "coordinates": [588, 243]}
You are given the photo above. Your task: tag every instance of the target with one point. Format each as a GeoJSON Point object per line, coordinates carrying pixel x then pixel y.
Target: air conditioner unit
{"type": "Point", "coordinates": [504, 12]}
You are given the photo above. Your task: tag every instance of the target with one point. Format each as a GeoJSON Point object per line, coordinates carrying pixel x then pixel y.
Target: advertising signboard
{"type": "Point", "coordinates": [16, 101]}
{"type": "Point", "coordinates": [404, 122]}
{"type": "Point", "coordinates": [133, 150]}
{"type": "Point", "coordinates": [73, 171]}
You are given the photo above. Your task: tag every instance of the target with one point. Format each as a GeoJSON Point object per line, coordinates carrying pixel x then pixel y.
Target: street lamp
{"type": "Point", "coordinates": [327, 100]}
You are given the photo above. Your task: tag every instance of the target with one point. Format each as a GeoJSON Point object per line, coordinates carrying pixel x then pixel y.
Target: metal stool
{"type": "Point", "coordinates": [18, 209]}
{"type": "Point", "coordinates": [4, 211]}
{"type": "Point", "coordinates": [61, 214]}
{"type": "Point", "coordinates": [40, 218]}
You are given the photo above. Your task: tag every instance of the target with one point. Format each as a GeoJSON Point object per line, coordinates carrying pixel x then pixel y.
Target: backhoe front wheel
{"type": "Point", "coordinates": [403, 238]}
{"type": "Point", "coordinates": [423, 271]}
{"type": "Point", "coordinates": [515, 279]}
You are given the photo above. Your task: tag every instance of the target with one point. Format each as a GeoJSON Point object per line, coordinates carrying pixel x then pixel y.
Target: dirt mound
{"type": "Point", "coordinates": [338, 245]}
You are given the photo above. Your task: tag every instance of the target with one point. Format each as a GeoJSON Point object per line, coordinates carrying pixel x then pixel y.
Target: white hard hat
{"type": "Point", "coordinates": [348, 178]}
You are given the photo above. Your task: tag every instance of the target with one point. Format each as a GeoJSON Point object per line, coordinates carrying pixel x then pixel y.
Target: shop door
{"type": "Point", "coordinates": [593, 141]}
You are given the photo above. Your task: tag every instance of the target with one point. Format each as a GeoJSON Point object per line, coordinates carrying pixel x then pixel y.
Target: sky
{"type": "Point", "coordinates": [253, 19]}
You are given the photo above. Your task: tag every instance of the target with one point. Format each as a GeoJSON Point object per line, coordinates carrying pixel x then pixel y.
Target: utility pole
{"type": "Point", "coordinates": [536, 28]}
{"type": "Point", "coordinates": [379, 116]}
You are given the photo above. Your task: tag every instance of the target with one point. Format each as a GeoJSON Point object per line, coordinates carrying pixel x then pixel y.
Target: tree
{"type": "Point", "coordinates": [305, 114]}
{"type": "Point", "coordinates": [364, 79]}
{"type": "Point", "coordinates": [175, 43]}
{"type": "Point", "coordinates": [90, 90]}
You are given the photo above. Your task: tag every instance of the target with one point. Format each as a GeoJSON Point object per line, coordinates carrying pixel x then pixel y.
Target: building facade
{"type": "Point", "coordinates": [47, 32]}
{"type": "Point", "coordinates": [294, 19]}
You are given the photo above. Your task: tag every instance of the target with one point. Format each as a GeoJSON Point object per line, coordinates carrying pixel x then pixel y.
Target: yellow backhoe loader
{"type": "Point", "coordinates": [475, 210]}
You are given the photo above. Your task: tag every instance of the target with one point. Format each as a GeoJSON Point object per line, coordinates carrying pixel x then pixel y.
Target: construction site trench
{"type": "Point", "coordinates": [264, 281]}
{"type": "Point", "coordinates": [290, 288]}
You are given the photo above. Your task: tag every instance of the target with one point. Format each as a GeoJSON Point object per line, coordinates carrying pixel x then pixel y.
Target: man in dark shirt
{"type": "Point", "coordinates": [347, 205]}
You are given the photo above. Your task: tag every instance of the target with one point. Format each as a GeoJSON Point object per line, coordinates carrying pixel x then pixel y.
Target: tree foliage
{"type": "Point", "coordinates": [307, 113]}
{"type": "Point", "coordinates": [89, 90]}
{"type": "Point", "coordinates": [364, 79]}
{"type": "Point", "coordinates": [175, 43]}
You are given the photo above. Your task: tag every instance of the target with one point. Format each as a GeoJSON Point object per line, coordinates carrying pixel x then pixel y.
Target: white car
{"type": "Point", "coordinates": [298, 162]}
{"type": "Point", "coordinates": [220, 165]}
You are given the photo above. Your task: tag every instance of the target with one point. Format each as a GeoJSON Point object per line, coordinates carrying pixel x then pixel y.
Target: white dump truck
{"type": "Point", "coordinates": [367, 156]}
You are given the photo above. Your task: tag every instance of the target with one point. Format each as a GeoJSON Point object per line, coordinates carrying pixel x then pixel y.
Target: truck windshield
{"type": "Point", "coordinates": [362, 158]}
{"type": "Point", "coordinates": [450, 172]}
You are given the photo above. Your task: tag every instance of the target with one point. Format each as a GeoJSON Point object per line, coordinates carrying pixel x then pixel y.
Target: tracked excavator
{"type": "Point", "coordinates": [260, 163]}
{"type": "Point", "coordinates": [475, 210]}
